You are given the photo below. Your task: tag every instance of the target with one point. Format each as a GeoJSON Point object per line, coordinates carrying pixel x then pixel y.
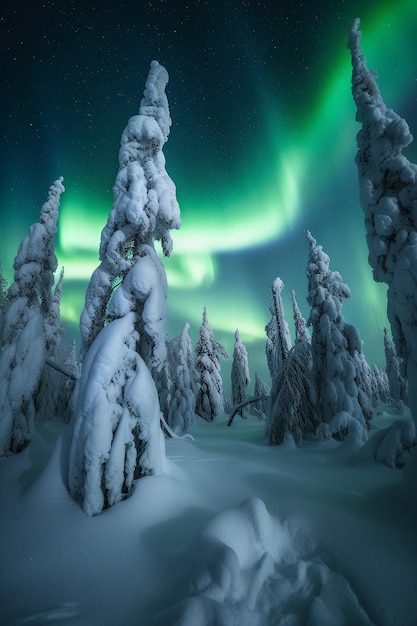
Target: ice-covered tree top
{"type": "Point", "coordinates": [35, 262]}
{"type": "Point", "coordinates": [387, 179]}
{"type": "Point", "coordinates": [145, 207]}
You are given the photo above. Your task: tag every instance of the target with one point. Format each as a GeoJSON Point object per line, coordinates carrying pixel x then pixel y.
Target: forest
{"type": "Point", "coordinates": [136, 491]}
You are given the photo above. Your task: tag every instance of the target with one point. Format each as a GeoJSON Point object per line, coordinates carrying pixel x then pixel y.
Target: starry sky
{"type": "Point", "coordinates": [261, 148]}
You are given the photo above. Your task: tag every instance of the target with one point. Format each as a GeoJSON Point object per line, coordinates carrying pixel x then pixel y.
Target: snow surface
{"type": "Point", "coordinates": [236, 532]}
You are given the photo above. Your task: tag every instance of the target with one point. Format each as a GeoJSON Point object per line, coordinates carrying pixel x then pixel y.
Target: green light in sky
{"type": "Point", "coordinates": [260, 212]}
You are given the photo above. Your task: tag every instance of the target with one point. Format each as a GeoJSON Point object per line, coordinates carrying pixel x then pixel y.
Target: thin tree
{"type": "Point", "coordinates": [240, 377]}
{"type": "Point", "coordinates": [278, 342]}
{"type": "Point", "coordinates": [397, 384]}
{"type": "Point", "coordinates": [117, 436]}
{"type": "Point", "coordinates": [181, 409]}
{"type": "Point", "coordinates": [210, 397]}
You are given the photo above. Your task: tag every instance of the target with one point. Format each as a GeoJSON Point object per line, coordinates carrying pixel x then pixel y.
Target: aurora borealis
{"type": "Point", "coordinates": [262, 145]}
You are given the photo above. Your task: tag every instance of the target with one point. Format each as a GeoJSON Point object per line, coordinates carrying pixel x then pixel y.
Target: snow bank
{"type": "Point", "coordinates": [245, 570]}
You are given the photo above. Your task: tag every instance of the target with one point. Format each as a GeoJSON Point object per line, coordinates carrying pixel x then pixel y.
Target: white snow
{"type": "Point", "coordinates": [234, 532]}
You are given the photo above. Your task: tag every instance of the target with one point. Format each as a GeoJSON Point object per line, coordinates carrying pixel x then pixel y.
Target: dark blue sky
{"type": "Point", "coordinates": [262, 144]}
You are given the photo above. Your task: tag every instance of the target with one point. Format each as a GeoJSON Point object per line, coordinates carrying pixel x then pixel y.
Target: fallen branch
{"type": "Point", "coordinates": [243, 404]}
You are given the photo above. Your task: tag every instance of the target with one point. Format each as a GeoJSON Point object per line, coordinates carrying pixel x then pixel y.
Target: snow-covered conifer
{"type": "Point", "coordinates": [24, 330]}
{"type": "Point", "coordinates": [210, 399]}
{"type": "Point", "coordinates": [336, 380]}
{"type": "Point", "coordinates": [240, 372]}
{"type": "Point", "coordinates": [3, 300]}
{"type": "Point", "coordinates": [117, 435]}
{"type": "Point", "coordinates": [388, 195]}
{"type": "Point", "coordinates": [278, 342]}
{"type": "Point", "coordinates": [292, 408]}
{"type": "Point", "coordinates": [261, 390]}
{"type": "Point", "coordinates": [182, 399]}
{"type": "Point", "coordinates": [397, 384]}
{"type": "Point", "coordinates": [300, 324]}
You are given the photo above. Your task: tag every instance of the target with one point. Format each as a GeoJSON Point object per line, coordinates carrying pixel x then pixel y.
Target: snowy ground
{"type": "Point", "coordinates": [236, 533]}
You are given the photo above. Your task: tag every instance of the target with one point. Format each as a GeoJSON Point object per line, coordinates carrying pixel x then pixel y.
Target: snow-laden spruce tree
{"type": "Point", "coordinates": [333, 344]}
{"type": "Point", "coordinates": [181, 408]}
{"type": "Point", "coordinates": [300, 324]}
{"type": "Point", "coordinates": [291, 410]}
{"type": "Point", "coordinates": [117, 435]}
{"type": "Point", "coordinates": [388, 195]}
{"type": "Point", "coordinates": [278, 342]}
{"type": "Point", "coordinates": [240, 377]}
{"type": "Point", "coordinates": [3, 301]}
{"type": "Point", "coordinates": [261, 390]}
{"type": "Point", "coordinates": [396, 382]}
{"type": "Point", "coordinates": [210, 397]}
{"type": "Point", "coordinates": [26, 327]}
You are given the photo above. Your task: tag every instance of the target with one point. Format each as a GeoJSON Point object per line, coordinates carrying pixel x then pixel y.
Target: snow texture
{"type": "Point", "coordinates": [388, 194]}
{"type": "Point", "coordinates": [335, 344]}
{"type": "Point", "coordinates": [116, 435]}
{"type": "Point", "coordinates": [210, 398]}
{"type": "Point", "coordinates": [278, 342]}
{"type": "Point", "coordinates": [181, 405]}
{"type": "Point", "coordinates": [246, 570]}
{"type": "Point", "coordinates": [29, 326]}
{"type": "Point", "coordinates": [144, 210]}
{"type": "Point", "coordinates": [240, 377]}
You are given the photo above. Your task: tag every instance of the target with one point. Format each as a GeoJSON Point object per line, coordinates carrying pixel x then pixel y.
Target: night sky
{"type": "Point", "coordinates": [261, 148]}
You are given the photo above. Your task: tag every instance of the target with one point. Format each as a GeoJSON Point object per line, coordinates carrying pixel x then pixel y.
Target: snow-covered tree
{"type": "Point", "coordinates": [300, 324]}
{"type": "Point", "coordinates": [278, 342]}
{"type": "Point", "coordinates": [3, 299]}
{"type": "Point", "coordinates": [25, 328]}
{"type": "Point", "coordinates": [261, 390]}
{"type": "Point", "coordinates": [240, 378]}
{"type": "Point", "coordinates": [388, 195]}
{"type": "Point", "coordinates": [117, 436]}
{"type": "Point", "coordinates": [181, 407]}
{"type": "Point", "coordinates": [397, 384]}
{"type": "Point", "coordinates": [210, 398]}
{"type": "Point", "coordinates": [292, 408]}
{"type": "Point", "coordinates": [333, 341]}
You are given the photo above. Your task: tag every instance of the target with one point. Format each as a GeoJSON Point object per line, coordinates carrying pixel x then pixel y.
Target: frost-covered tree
{"type": "Point", "coordinates": [333, 341]}
{"type": "Point", "coordinates": [3, 299]}
{"type": "Point", "coordinates": [240, 377]}
{"type": "Point", "coordinates": [117, 436]}
{"type": "Point", "coordinates": [210, 397]}
{"type": "Point", "coordinates": [300, 324]}
{"type": "Point", "coordinates": [388, 195]}
{"type": "Point", "coordinates": [181, 409]}
{"type": "Point", "coordinates": [25, 327]}
{"type": "Point", "coordinates": [278, 342]}
{"type": "Point", "coordinates": [397, 384]}
{"type": "Point", "coordinates": [261, 390]}
{"type": "Point", "coordinates": [292, 409]}
{"type": "Point", "coordinates": [61, 367]}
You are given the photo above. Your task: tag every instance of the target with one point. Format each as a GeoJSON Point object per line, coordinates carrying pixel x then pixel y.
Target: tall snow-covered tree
{"type": "Point", "coordinates": [292, 403]}
{"type": "Point", "coordinates": [240, 377]}
{"type": "Point", "coordinates": [278, 343]}
{"type": "Point", "coordinates": [388, 195]}
{"type": "Point", "coordinates": [333, 341]}
{"type": "Point", "coordinates": [117, 435]}
{"type": "Point", "coordinates": [25, 327]}
{"type": "Point", "coordinates": [397, 384]}
{"type": "Point", "coordinates": [181, 408]}
{"type": "Point", "coordinates": [261, 390]}
{"type": "Point", "coordinates": [3, 300]}
{"type": "Point", "coordinates": [300, 324]}
{"type": "Point", "coordinates": [210, 397]}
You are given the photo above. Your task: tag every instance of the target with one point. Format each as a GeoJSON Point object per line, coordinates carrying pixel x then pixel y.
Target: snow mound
{"type": "Point", "coordinates": [245, 570]}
